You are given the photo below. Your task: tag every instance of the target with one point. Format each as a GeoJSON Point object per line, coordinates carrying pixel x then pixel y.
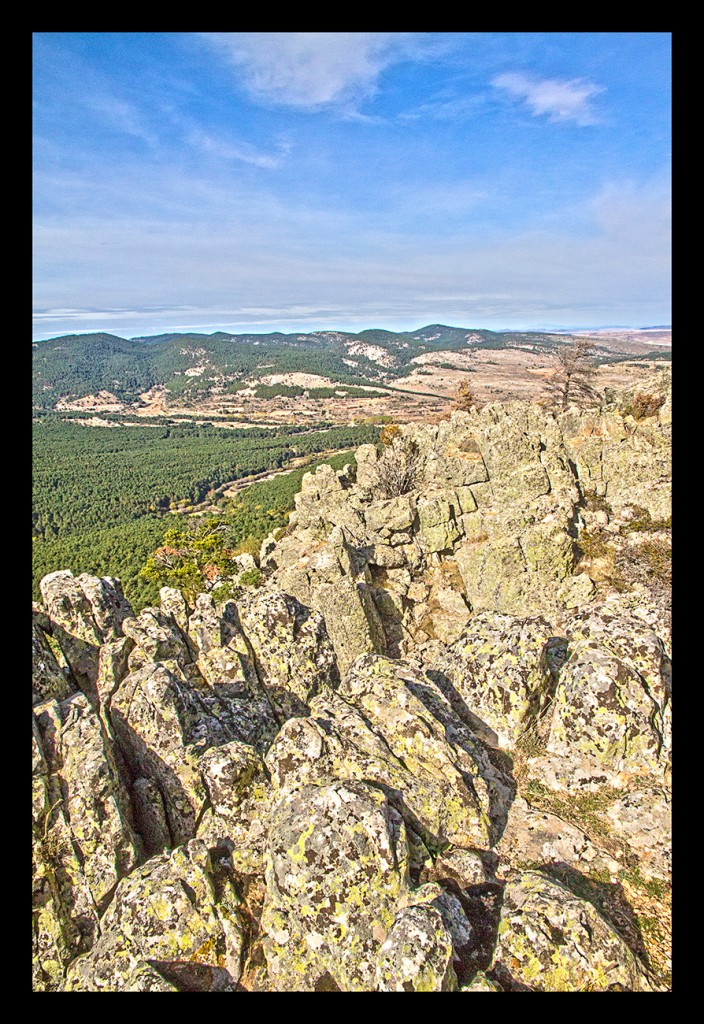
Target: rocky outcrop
{"type": "Point", "coordinates": [500, 501]}
{"type": "Point", "coordinates": [431, 753]}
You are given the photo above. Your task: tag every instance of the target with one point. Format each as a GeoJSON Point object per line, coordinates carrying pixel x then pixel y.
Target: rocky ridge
{"type": "Point", "coordinates": [431, 753]}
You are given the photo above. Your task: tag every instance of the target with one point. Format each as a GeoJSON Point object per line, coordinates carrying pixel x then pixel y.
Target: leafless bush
{"type": "Point", "coordinates": [397, 468]}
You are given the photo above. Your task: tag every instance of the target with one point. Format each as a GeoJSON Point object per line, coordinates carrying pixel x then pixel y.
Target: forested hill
{"type": "Point", "coordinates": [74, 366]}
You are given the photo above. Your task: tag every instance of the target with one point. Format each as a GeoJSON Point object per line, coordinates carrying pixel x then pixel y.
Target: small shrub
{"type": "Point", "coordinates": [397, 468]}
{"type": "Point", "coordinates": [225, 591]}
{"type": "Point", "coordinates": [593, 544]}
{"type": "Point", "coordinates": [249, 546]}
{"type": "Point", "coordinates": [251, 578]}
{"type": "Point", "coordinates": [594, 502]}
{"type": "Point", "coordinates": [642, 521]}
{"type": "Point", "coordinates": [389, 433]}
{"type": "Point", "coordinates": [657, 556]}
{"type": "Point", "coordinates": [643, 405]}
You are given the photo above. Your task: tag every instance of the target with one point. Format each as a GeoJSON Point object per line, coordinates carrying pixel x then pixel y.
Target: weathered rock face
{"type": "Point", "coordinates": [550, 941]}
{"type": "Point", "coordinates": [612, 702]}
{"type": "Point", "coordinates": [624, 459]}
{"type": "Point", "coordinates": [390, 726]}
{"type": "Point", "coordinates": [500, 667]}
{"type": "Point", "coordinates": [431, 753]}
{"type": "Point", "coordinates": [293, 654]}
{"type": "Point", "coordinates": [83, 612]}
{"type": "Point", "coordinates": [48, 678]}
{"type": "Point", "coordinates": [417, 954]}
{"type": "Point", "coordinates": [176, 915]}
{"type": "Point", "coordinates": [494, 523]}
{"type": "Point", "coordinates": [84, 839]}
{"type": "Point", "coordinates": [336, 873]}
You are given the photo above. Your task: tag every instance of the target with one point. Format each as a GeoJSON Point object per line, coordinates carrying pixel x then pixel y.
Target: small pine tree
{"type": "Point", "coordinates": [573, 376]}
{"type": "Point", "coordinates": [465, 399]}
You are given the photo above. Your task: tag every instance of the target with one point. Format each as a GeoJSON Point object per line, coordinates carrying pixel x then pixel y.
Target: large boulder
{"type": "Point", "coordinates": [89, 607]}
{"type": "Point", "coordinates": [163, 721]}
{"type": "Point", "coordinates": [235, 779]}
{"type": "Point", "coordinates": [83, 612]}
{"type": "Point", "coordinates": [501, 670]}
{"type": "Point", "coordinates": [612, 703]}
{"type": "Point", "coordinates": [336, 875]}
{"type": "Point", "coordinates": [552, 941]}
{"type": "Point", "coordinates": [352, 620]}
{"type": "Point", "coordinates": [293, 655]}
{"type": "Point", "coordinates": [49, 679]}
{"type": "Point", "coordinates": [84, 838]}
{"type": "Point", "coordinates": [417, 953]}
{"type": "Point", "coordinates": [176, 915]}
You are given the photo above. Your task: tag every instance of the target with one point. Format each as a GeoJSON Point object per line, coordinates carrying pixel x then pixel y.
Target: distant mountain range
{"type": "Point", "coordinates": [73, 366]}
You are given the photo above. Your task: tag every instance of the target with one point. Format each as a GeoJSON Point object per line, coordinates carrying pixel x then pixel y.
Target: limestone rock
{"type": "Point", "coordinates": [642, 818]}
{"type": "Point", "coordinates": [173, 603]}
{"type": "Point", "coordinates": [392, 515]}
{"type": "Point", "coordinates": [438, 528]}
{"type": "Point", "coordinates": [536, 836]}
{"type": "Point", "coordinates": [232, 677]}
{"type": "Point", "coordinates": [64, 918]}
{"type": "Point", "coordinates": [204, 625]}
{"type": "Point", "coordinates": [113, 666]}
{"type": "Point", "coordinates": [460, 867]}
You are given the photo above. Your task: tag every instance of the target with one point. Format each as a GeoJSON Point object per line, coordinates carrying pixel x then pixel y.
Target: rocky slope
{"type": "Point", "coordinates": [431, 753]}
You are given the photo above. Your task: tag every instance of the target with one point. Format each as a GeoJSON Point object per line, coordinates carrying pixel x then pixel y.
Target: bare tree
{"type": "Point", "coordinates": [573, 376]}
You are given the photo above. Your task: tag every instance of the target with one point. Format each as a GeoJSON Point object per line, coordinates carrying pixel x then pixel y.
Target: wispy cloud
{"type": "Point", "coordinates": [566, 100]}
{"type": "Point", "coordinates": [310, 70]}
{"type": "Point", "coordinates": [122, 117]}
{"type": "Point", "coordinates": [287, 266]}
{"type": "Point", "coordinates": [455, 109]}
{"type": "Point", "coordinates": [239, 150]}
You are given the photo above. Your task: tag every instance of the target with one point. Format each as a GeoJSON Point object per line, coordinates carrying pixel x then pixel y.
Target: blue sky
{"type": "Point", "coordinates": [308, 181]}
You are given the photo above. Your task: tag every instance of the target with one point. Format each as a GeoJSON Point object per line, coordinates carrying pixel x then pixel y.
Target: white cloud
{"type": "Point", "coordinates": [121, 117]}
{"type": "Point", "coordinates": [561, 100]}
{"type": "Point", "coordinates": [310, 69]}
{"type": "Point", "coordinates": [242, 151]}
